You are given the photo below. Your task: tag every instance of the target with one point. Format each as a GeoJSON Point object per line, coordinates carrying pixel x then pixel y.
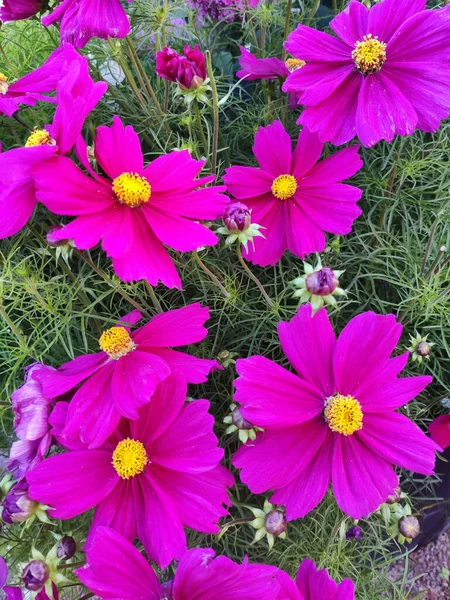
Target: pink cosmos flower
{"type": "Point", "coordinates": [123, 376]}
{"type": "Point", "coordinates": [439, 430]}
{"type": "Point", "coordinates": [82, 20]}
{"type": "Point", "coordinates": [151, 478]}
{"type": "Point", "coordinates": [387, 73]}
{"type": "Point", "coordinates": [293, 196]}
{"type": "Point", "coordinates": [312, 584]}
{"type": "Point", "coordinates": [135, 210]}
{"type": "Point", "coordinates": [335, 421]}
{"type": "Point", "coordinates": [76, 96]}
{"type": "Point", "coordinates": [115, 568]}
{"type": "Point", "coordinates": [16, 10]}
{"type": "Point", "coordinates": [189, 71]}
{"type": "Point", "coordinates": [15, 593]}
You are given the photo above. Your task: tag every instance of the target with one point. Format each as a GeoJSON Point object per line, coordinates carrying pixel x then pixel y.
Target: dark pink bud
{"type": "Point", "coordinates": [66, 548]}
{"type": "Point", "coordinates": [395, 496]}
{"type": "Point", "coordinates": [237, 217]}
{"type": "Point", "coordinates": [276, 522]}
{"type": "Point", "coordinates": [322, 283]}
{"type": "Point", "coordinates": [189, 71]}
{"type": "Point", "coordinates": [35, 575]}
{"type": "Point", "coordinates": [52, 230]}
{"type": "Point", "coordinates": [423, 349]}
{"type": "Point", "coordinates": [354, 533]}
{"type": "Point", "coordinates": [409, 527]}
{"type": "Point", "coordinates": [238, 419]}
{"type": "Point", "coordinates": [17, 506]}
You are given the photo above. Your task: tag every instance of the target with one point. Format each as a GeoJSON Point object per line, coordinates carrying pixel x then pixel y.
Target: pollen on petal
{"type": "Point", "coordinates": [132, 189]}
{"type": "Point", "coordinates": [284, 187]}
{"type": "Point", "coordinates": [129, 458]}
{"type": "Point", "coordinates": [116, 342]}
{"type": "Point", "coordinates": [369, 54]}
{"type": "Point", "coordinates": [343, 414]}
{"type": "Point", "coordinates": [39, 137]}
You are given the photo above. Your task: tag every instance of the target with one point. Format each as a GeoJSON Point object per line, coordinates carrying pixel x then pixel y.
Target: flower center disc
{"type": "Point", "coordinates": [39, 137]}
{"type": "Point", "coordinates": [369, 54]}
{"type": "Point", "coordinates": [129, 458]}
{"type": "Point", "coordinates": [343, 414]}
{"type": "Point", "coordinates": [3, 84]}
{"type": "Point", "coordinates": [293, 64]}
{"type": "Point", "coordinates": [116, 342]}
{"type": "Point", "coordinates": [132, 189]}
{"type": "Point", "coordinates": [284, 187]}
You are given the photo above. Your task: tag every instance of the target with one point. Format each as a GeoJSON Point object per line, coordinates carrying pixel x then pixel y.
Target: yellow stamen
{"type": "Point", "coordinates": [284, 187]}
{"type": "Point", "coordinates": [132, 189]}
{"type": "Point", "coordinates": [343, 414]}
{"type": "Point", "coordinates": [293, 64]}
{"type": "Point", "coordinates": [369, 54]}
{"type": "Point", "coordinates": [116, 342]}
{"type": "Point", "coordinates": [129, 458]}
{"type": "Point", "coordinates": [3, 84]}
{"type": "Point", "coordinates": [39, 137]}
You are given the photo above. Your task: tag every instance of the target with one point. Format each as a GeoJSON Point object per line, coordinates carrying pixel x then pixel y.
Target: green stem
{"type": "Point", "coordinates": [435, 263]}
{"type": "Point", "coordinates": [215, 107]}
{"type": "Point", "coordinates": [13, 327]}
{"type": "Point", "coordinates": [210, 274]}
{"type": "Point", "coordinates": [253, 277]}
{"type": "Point", "coordinates": [153, 296]}
{"type": "Point", "coordinates": [198, 116]}
{"type": "Point", "coordinates": [74, 565]}
{"type": "Point", "coordinates": [287, 26]}
{"type": "Point", "coordinates": [250, 24]}
{"type": "Point", "coordinates": [430, 239]}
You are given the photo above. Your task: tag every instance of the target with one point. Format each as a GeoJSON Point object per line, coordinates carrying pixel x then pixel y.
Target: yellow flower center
{"type": "Point", "coordinates": [343, 414]}
{"type": "Point", "coordinates": [132, 189]}
{"type": "Point", "coordinates": [116, 342]}
{"type": "Point", "coordinates": [369, 54]}
{"type": "Point", "coordinates": [39, 137]}
{"type": "Point", "coordinates": [284, 187]}
{"type": "Point", "coordinates": [3, 84]}
{"type": "Point", "coordinates": [293, 64]}
{"type": "Point", "coordinates": [129, 458]}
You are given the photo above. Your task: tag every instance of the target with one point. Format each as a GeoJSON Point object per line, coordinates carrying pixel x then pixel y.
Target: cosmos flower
{"type": "Point", "coordinates": [336, 420]}
{"type": "Point", "coordinates": [293, 196]}
{"type": "Point", "coordinates": [311, 584]}
{"type": "Point", "coordinates": [386, 73]}
{"type": "Point", "coordinates": [189, 71]}
{"type": "Point", "coordinates": [151, 478]}
{"type": "Point", "coordinates": [135, 210]}
{"type": "Point", "coordinates": [81, 20]}
{"type": "Point", "coordinates": [123, 376]}
{"type": "Point", "coordinates": [115, 568]}
{"type": "Point", "coordinates": [76, 96]}
{"type": "Point", "coordinates": [439, 430]}
{"type": "Point", "coordinates": [16, 10]}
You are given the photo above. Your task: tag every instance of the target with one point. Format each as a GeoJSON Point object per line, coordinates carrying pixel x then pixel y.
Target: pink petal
{"type": "Point", "coordinates": [173, 172]}
{"type": "Point", "coordinates": [73, 482]}
{"type": "Point", "coordinates": [288, 588]}
{"type": "Point", "coordinates": [272, 397]}
{"type": "Point", "coordinates": [260, 68]}
{"type": "Point", "coordinates": [273, 149]}
{"type": "Point", "coordinates": [269, 250]}
{"type": "Point", "coordinates": [316, 81]}
{"type": "Point", "coordinates": [57, 382]}
{"type": "Point", "coordinates": [351, 24]}
{"type": "Point", "coordinates": [118, 149]}
{"type": "Point", "coordinates": [306, 153]}
{"type": "Point", "coordinates": [58, 420]}
{"type": "Point", "coordinates": [87, 231]}
{"type": "Point", "coordinates": [386, 17]}
{"type": "Point", "coordinates": [47, 76]}
{"type": "Point", "coordinates": [195, 370]}
{"type": "Point", "coordinates": [247, 182]}
{"type": "Point", "coordinates": [335, 168]}
{"type": "Point", "coordinates": [439, 430]}
{"type": "Point", "coordinates": [391, 394]}
{"type": "Point", "coordinates": [309, 343]}
{"type": "Point", "coordinates": [302, 234]}
{"type": "Point", "coordinates": [311, 45]}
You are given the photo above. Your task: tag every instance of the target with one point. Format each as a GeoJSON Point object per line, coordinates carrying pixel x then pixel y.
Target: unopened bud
{"type": "Point", "coordinates": [238, 420]}
{"type": "Point", "coordinates": [354, 533]}
{"type": "Point", "coordinates": [395, 496]}
{"type": "Point", "coordinates": [55, 244]}
{"type": "Point", "coordinates": [17, 506]}
{"type": "Point", "coordinates": [322, 282]}
{"type": "Point", "coordinates": [35, 575]}
{"type": "Point", "coordinates": [276, 522]}
{"type": "Point", "coordinates": [237, 217]}
{"type": "Point", "coordinates": [409, 527]}
{"type": "Point", "coordinates": [66, 548]}
{"type": "Point", "coordinates": [423, 349]}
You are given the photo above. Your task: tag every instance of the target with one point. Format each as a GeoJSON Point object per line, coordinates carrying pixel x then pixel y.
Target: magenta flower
{"type": "Point", "coordinates": [76, 96]}
{"type": "Point", "coordinates": [151, 478]}
{"type": "Point", "coordinates": [82, 20]}
{"type": "Point", "coordinates": [189, 71]}
{"type": "Point", "coordinates": [115, 568]}
{"type": "Point", "coordinates": [387, 73]}
{"type": "Point", "coordinates": [223, 10]}
{"type": "Point", "coordinates": [335, 421]}
{"type": "Point", "coordinates": [123, 376]}
{"type": "Point", "coordinates": [311, 584]}
{"type": "Point", "coordinates": [295, 198]}
{"type": "Point", "coordinates": [439, 430]}
{"type": "Point", "coordinates": [16, 10]}
{"type": "Point", "coordinates": [136, 210]}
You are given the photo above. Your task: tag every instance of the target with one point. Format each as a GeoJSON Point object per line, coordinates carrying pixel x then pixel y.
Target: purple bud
{"type": "Point", "coordinates": [167, 590]}
{"type": "Point", "coordinates": [423, 349]}
{"type": "Point", "coordinates": [66, 548]}
{"type": "Point", "coordinates": [409, 527]}
{"type": "Point", "coordinates": [322, 283]}
{"type": "Point", "coordinates": [237, 217]}
{"type": "Point", "coordinates": [17, 506]}
{"type": "Point", "coordinates": [35, 575]}
{"type": "Point", "coordinates": [354, 533]}
{"type": "Point", "coordinates": [52, 230]}
{"type": "Point", "coordinates": [276, 522]}
{"type": "Point", "coordinates": [238, 419]}
{"type": "Point", "coordinates": [395, 496]}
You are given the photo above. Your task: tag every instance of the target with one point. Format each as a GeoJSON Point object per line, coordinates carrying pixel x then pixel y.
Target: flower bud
{"type": "Point", "coordinates": [322, 282]}
{"type": "Point", "coordinates": [423, 349]}
{"type": "Point", "coordinates": [237, 217]}
{"type": "Point", "coordinates": [276, 522]}
{"type": "Point", "coordinates": [395, 496]}
{"type": "Point", "coordinates": [55, 244]}
{"type": "Point", "coordinates": [17, 506]}
{"type": "Point", "coordinates": [189, 71]}
{"type": "Point", "coordinates": [354, 533]}
{"type": "Point", "coordinates": [35, 575]}
{"type": "Point", "coordinates": [238, 420]}
{"type": "Point", "coordinates": [167, 590]}
{"type": "Point", "coordinates": [66, 548]}
{"type": "Point", "coordinates": [409, 527]}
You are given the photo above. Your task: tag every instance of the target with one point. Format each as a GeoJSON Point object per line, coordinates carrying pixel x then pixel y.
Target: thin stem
{"type": "Point", "coordinates": [250, 24]}
{"type": "Point", "coordinates": [166, 97]}
{"type": "Point", "coordinates": [215, 107]}
{"type": "Point", "coordinates": [74, 565]}
{"type": "Point", "coordinates": [13, 326]}
{"type": "Point", "coordinates": [253, 277]}
{"type": "Point", "coordinates": [287, 27]}
{"type": "Point", "coordinates": [430, 240]}
{"type": "Point", "coordinates": [198, 116]}
{"type": "Point", "coordinates": [435, 263]}
{"type": "Point", "coordinates": [442, 265]}
{"type": "Point", "coordinates": [210, 274]}
{"type": "Point", "coordinates": [19, 120]}
{"type": "Point", "coordinates": [153, 296]}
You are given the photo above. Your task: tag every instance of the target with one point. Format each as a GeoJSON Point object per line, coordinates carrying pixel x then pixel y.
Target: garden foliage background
{"type": "Point", "coordinates": [52, 311]}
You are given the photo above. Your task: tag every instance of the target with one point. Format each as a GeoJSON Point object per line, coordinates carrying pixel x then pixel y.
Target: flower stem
{"type": "Point", "coordinates": [153, 296]}
{"type": "Point", "coordinates": [13, 327]}
{"type": "Point", "coordinates": [287, 27]}
{"type": "Point", "coordinates": [215, 107]}
{"type": "Point", "coordinates": [253, 277]}
{"type": "Point", "coordinates": [200, 127]}
{"type": "Point", "coordinates": [210, 274]}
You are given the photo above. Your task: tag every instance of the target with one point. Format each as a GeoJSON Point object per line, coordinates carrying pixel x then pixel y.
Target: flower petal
{"type": "Point", "coordinates": [118, 149]}
{"type": "Point", "coordinates": [351, 23]}
{"type": "Point", "coordinates": [439, 430]}
{"type": "Point", "coordinates": [273, 149]}
{"type": "Point", "coordinates": [195, 370]}
{"type": "Point", "coordinates": [306, 153]}
{"type": "Point", "coordinates": [302, 234]}
{"type": "Point", "coordinates": [312, 45]}
{"type": "Point", "coordinates": [247, 182]}
{"type": "Point", "coordinates": [386, 17]}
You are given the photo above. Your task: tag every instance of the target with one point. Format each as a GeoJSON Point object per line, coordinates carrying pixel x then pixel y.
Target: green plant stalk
{"type": "Point", "coordinates": [153, 296]}
{"type": "Point", "coordinates": [250, 24]}
{"type": "Point", "coordinates": [198, 116]}
{"type": "Point", "coordinates": [13, 327]}
{"type": "Point", "coordinates": [210, 274]}
{"type": "Point", "coordinates": [253, 277]}
{"type": "Point", "coordinates": [287, 27]}
{"type": "Point", "coordinates": [215, 109]}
